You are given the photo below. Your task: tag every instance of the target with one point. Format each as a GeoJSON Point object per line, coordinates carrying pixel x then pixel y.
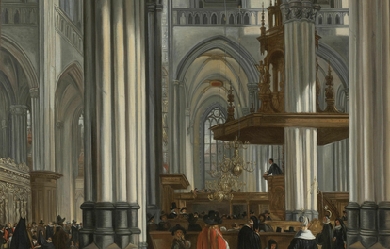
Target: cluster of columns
{"type": "Point", "coordinates": [369, 139]}
{"type": "Point", "coordinates": [115, 124]}
{"type": "Point", "coordinates": [18, 133]}
{"type": "Point", "coordinates": [300, 143]}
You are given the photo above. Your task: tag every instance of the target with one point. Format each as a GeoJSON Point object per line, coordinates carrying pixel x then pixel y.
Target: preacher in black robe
{"type": "Point", "coordinates": [274, 169]}
{"type": "Point", "coordinates": [248, 237]}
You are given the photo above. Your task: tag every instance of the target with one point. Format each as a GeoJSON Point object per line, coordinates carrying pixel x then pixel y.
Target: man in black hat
{"type": "Point", "coordinates": [164, 224]}
{"type": "Point", "coordinates": [179, 241]}
{"type": "Point", "coordinates": [248, 237]}
{"type": "Point", "coordinates": [211, 237]}
{"type": "Point", "coordinates": [192, 225]}
{"type": "Point", "coordinates": [75, 232]}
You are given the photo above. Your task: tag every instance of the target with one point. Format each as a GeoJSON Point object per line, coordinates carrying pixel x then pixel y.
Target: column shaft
{"type": "Point", "coordinates": [300, 84]}
{"type": "Point", "coordinates": [369, 162]}
{"type": "Point", "coordinates": [104, 92]}
{"type": "Point", "coordinates": [18, 133]}
{"type": "Point", "coordinates": [119, 79]}
{"type": "Point", "coordinates": [35, 123]}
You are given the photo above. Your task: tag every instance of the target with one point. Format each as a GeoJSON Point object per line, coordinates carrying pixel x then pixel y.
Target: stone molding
{"type": "Point", "coordinates": [44, 174]}
{"type": "Point", "coordinates": [18, 110]}
{"type": "Point", "coordinates": [34, 92]}
{"type": "Point", "coordinates": [298, 10]}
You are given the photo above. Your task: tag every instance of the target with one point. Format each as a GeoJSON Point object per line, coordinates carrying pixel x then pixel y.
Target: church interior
{"type": "Point", "coordinates": [117, 113]}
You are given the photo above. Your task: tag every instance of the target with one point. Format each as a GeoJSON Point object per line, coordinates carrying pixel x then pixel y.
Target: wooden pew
{"type": "Point", "coordinates": [163, 239]}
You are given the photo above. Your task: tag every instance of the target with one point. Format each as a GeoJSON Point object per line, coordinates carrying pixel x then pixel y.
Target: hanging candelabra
{"type": "Point", "coordinates": [228, 172]}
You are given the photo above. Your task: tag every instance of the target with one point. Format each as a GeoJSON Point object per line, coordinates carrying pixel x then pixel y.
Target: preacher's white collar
{"type": "Point", "coordinates": [305, 234]}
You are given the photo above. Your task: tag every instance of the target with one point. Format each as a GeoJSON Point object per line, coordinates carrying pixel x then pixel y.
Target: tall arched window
{"type": "Point", "coordinates": [213, 150]}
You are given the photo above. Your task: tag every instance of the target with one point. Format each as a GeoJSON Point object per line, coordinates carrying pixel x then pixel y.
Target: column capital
{"type": "Point", "coordinates": [296, 10]}
{"type": "Point", "coordinates": [34, 92]}
{"type": "Point", "coordinates": [252, 87]}
{"type": "Point", "coordinates": [18, 109]}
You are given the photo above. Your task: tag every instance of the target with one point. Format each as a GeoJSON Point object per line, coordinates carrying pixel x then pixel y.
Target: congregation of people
{"type": "Point", "coordinates": [248, 234]}
{"type": "Point", "coordinates": [52, 235]}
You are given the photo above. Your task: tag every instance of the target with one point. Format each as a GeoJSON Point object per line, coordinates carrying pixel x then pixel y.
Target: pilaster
{"type": "Point", "coordinates": [18, 133]}
{"type": "Point", "coordinates": [35, 123]}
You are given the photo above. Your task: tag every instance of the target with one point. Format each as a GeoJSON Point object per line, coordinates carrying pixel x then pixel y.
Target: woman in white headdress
{"type": "Point", "coordinates": [304, 239]}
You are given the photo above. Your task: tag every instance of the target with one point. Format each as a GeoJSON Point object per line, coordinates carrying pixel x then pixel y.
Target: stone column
{"type": "Point", "coordinates": [35, 122]}
{"type": "Point", "coordinates": [47, 85]}
{"type": "Point", "coordinates": [18, 133]}
{"type": "Point", "coordinates": [115, 114]}
{"type": "Point", "coordinates": [300, 83]}
{"type": "Point", "coordinates": [154, 107]}
{"type": "Point", "coordinates": [174, 167]}
{"type": "Point", "coordinates": [4, 131]}
{"type": "Point", "coordinates": [369, 139]}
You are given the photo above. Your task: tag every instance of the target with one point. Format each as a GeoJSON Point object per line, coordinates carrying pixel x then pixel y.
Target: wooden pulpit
{"type": "Point", "coordinates": [276, 196]}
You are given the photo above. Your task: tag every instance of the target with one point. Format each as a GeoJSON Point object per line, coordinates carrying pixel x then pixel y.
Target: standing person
{"type": "Point", "coordinates": [179, 241]}
{"type": "Point", "coordinates": [211, 237]}
{"type": "Point", "coordinates": [325, 237]}
{"type": "Point", "coordinates": [339, 235]}
{"type": "Point", "coordinates": [19, 239]}
{"type": "Point", "coordinates": [248, 237]}
{"type": "Point", "coordinates": [304, 239]}
{"type": "Point", "coordinates": [75, 232]}
{"type": "Point", "coordinates": [273, 169]}
{"type": "Point", "coordinates": [345, 216]}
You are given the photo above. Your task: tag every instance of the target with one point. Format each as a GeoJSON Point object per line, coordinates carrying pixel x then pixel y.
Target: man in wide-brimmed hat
{"type": "Point", "coordinates": [179, 241]}
{"type": "Point", "coordinates": [211, 237]}
{"type": "Point", "coordinates": [248, 237]}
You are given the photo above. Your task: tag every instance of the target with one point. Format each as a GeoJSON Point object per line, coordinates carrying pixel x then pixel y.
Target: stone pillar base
{"type": "Point", "coordinates": [353, 211]}
{"type": "Point", "coordinates": [104, 234]}
{"type": "Point", "coordinates": [294, 215]}
{"type": "Point", "coordinates": [122, 230]}
{"type": "Point", "coordinates": [86, 233]}
{"type": "Point", "coordinates": [384, 223]}
{"type": "Point", "coordinates": [368, 224]}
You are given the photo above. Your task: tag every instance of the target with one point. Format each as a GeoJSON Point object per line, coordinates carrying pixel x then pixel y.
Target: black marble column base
{"type": "Point", "coordinates": [294, 215]}
{"type": "Point", "coordinates": [384, 223]}
{"type": "Point", "coordinates": [368, 224]}
{"type": "Point", "coordinates": [353, 213]}
{"type": "Point", "coordinates": [121, 223]}
{"type": "Point", "coordinates": [104, 234]}
{"type": "Point", "coordinates": [86, 233]}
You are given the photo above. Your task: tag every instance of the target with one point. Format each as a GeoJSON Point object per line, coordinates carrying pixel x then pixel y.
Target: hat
{"type": "Point", "coordinates": [163, 214]}
{"type": "Point", "coordinates": [173, 205]}
{"type": "Point", "coordinates": [212, 218]}
{"type": "Point", "coordinates": [290, 230]}
{"type": "Point", "coordinates": [177, 227]}
{"type": "Point", "coordinates": [192, 219]}
{"type": "Point", "coordinates": [74, 222]}
{"type": "Point", "coordinates": [60, 220]}
{"type": "Point", "coordinates": [41, 222]}
{"type": "Point", "coordinates": [183, 208]}
{"type": "Point", "coordinates": [150, 217]}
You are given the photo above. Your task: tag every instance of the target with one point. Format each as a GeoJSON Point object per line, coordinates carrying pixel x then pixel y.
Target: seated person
{"type": "Point", "coordinates": [179, 241]}
{"type": "Point", "coordinates": [272, 244]}
{"type": "Point", "coordinates": [263, 227]}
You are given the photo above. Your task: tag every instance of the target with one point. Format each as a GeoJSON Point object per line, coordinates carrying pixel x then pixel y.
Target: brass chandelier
{"type": "Point", "coordinates": [228, 173]}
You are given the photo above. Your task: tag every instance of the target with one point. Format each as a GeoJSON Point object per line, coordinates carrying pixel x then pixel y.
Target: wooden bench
{"type": "Point", "coordinates": [163, 239]}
